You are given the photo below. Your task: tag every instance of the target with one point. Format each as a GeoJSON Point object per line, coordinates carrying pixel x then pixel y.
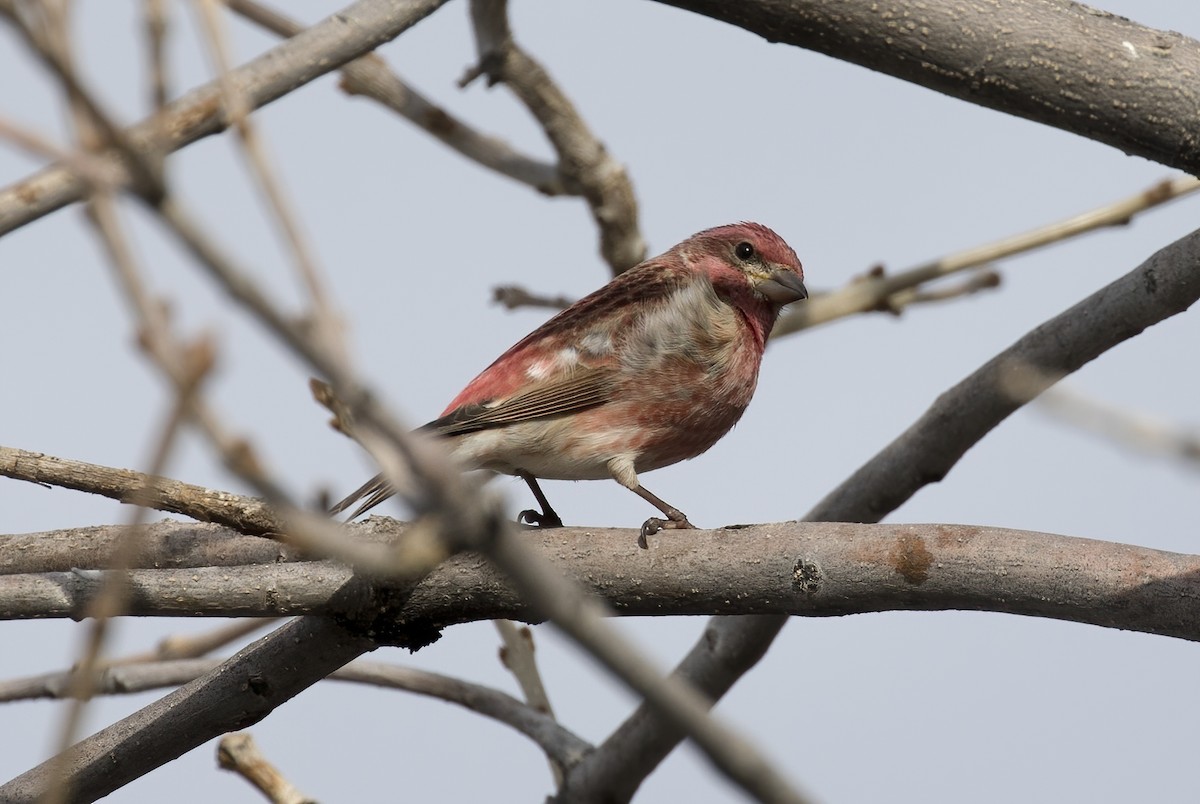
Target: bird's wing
{"type": "Point", "coordinates": [581, 389]}
{"type": "Point", "coordinates": [611, 310]}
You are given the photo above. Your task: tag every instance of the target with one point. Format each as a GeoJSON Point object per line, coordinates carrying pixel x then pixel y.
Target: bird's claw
{"type": "Point", "coordinates": [539, 519]}
{"type": "Point", "coordinates": [654, 524]}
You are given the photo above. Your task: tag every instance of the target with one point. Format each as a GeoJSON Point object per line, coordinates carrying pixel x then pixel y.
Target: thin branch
{"type": "Point", "coordinates": [975, 283]}
{"type": "Point", "coordinates": [352, 32]}
{"type": "Point", "coordinates": [582, 158]}
{"type": "Point", "coordinates": [517, 655]}
{"type": "Point", "coordinates": [51, 41]}
{"type": "Point", "coordinates": [581, 617]}
{"type": "Point", "coordinates": [514, 296]}
{"type": "Point", "coordinates": [372, 78]}
{"type": "Point", "coordinates": [249, 515]}
{"type": "Point", "coordinates": [878, 291]}
{"type": "Point", "coordinates": [239, 754]}
{"type": "Point", "coordinates": [155, 16]}
{"type": "Point", "coordinates": [44, 31]}
{"type": "Point", "coordinates": [193, 646]}
{"type": "Point", "coordinates": [560, 744]}
{"type": "Point", "coordinates": [95, 171]}
{"type": "Point", "coordinates": [1126, 428]}
{"type": "Point", "coordinates": [327, 325]}
{"type": "Point", "coordinates": [237, 694]}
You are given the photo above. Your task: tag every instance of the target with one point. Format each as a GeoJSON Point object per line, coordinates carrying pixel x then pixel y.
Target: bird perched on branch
{"type": "Point", "coordinates": [651, 369]}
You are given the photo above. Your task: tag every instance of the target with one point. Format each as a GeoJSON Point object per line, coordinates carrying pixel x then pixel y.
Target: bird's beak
{"type": "Point", "coordinates": [783, 286]}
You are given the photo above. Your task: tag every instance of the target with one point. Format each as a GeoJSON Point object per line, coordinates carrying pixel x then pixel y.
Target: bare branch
{"type": "Point", "coordinates": [517, 655]}
{"type": "Point", "coordinates": [975, 283]}
{"type": "Point", "coordinates": [801, 569]}
{"type": "Point", "coordinates": [1126, 428]}
{"type": "Point", "coordinates": [240, 754]}
{"type": "Point", "coordinates": [248, 515]}
{"type": "Point", "coordinates": [352, 32]}
{"type": "Point", "coordinates": [1062, 64]}
{"type": "Point", "coordinates": [372, 78]}
{"type": "Point", "coordinates": [582, 158]}
{"type": "Point", "coordinates": [560, 744]}
{"type": "Point", "coordinates": [237, 694]}
{"type": "Point", "coordinates": [878, 291]}
{"type": "Point", "coordinates": [155, 15]}
{"type": "Point", "coordinates": [514, 296]}
{"type": "Point", "coordinates": [193, 646]}
{"type": "Point", "coordinates": [327, 325]}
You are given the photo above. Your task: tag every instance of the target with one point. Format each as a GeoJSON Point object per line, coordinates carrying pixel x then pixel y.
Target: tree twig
{"type": "Point", "coordinates": [582, 158]}
{"type": "Point", "coordinates": [1126, 428]}
{"type": "Point", "coordinates": [249, 515]}
{"type": "Point", "coordinates": [880, 291]}
{"type": "Point", "coordinates": [518, 655]}
{"type": "Point", "coordinates": [370, 77]}
{"type": "Point", "coordinates": [352, 32]}
{"type": "Point", "coordinates": [240, 754]}
{"type": "Point", "coordinates": [561, 745]}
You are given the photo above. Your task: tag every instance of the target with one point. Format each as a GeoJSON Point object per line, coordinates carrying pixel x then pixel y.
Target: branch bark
{"type": "Point", "coordinates": [163, 545]}
{"type": "Point", "coordinates": [248, 515]}
{"type": "Point", "coordinates": [1060, 63]}
{"type": "Point", "coordinates": [804, 569]}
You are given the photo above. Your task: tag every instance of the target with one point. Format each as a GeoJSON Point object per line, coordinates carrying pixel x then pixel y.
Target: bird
{"type": "Point", "coordinates": [651, 369]}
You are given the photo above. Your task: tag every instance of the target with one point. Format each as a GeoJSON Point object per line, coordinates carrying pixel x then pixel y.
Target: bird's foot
{"type": "Point", "coordinates": [654, 524]}
{"type": "Point", "coordinates": [539, 519]}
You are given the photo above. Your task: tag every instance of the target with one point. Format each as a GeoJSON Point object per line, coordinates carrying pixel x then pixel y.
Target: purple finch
{"type": "Point", "coordinates": [651, 369]}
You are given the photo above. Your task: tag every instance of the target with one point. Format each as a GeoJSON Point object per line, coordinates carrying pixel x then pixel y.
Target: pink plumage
{"type": "Point", "coordinates": [651, 369]}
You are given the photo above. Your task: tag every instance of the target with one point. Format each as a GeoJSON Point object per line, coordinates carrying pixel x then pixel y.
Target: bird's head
{"type": "Point", "coordinates": [751, 256]}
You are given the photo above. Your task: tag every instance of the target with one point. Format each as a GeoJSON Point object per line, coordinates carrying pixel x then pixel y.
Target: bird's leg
{"type": "Point", "coordinates": [547, 518]}
{"type": "Point", "coordinates": [676, 519]}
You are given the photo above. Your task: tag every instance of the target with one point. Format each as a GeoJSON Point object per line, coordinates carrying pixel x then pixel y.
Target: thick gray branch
{"type": "Point", "coordinates": [1051, 61]}
{"type": "Point", "coordinates": [163, 545]}
{"type": "Point", "coordinates": [805, 569]}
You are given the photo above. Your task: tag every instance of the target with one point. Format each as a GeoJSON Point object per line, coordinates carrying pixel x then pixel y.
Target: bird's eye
{"type": "Point", "coordinates": [743, 250]}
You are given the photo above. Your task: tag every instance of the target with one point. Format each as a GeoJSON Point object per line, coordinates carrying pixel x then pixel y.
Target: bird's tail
{"type": "Point", "coordinates": [368, 495]}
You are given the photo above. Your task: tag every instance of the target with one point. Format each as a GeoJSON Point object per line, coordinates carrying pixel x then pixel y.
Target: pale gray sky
{"type": "Point", "coordinates": [714, 125]}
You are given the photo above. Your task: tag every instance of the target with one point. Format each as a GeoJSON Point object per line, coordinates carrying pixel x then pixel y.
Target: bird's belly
{"type": "Point", "coordinates": [544, 448]}
{"type": "Point", "coordinates": [581, 446]}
